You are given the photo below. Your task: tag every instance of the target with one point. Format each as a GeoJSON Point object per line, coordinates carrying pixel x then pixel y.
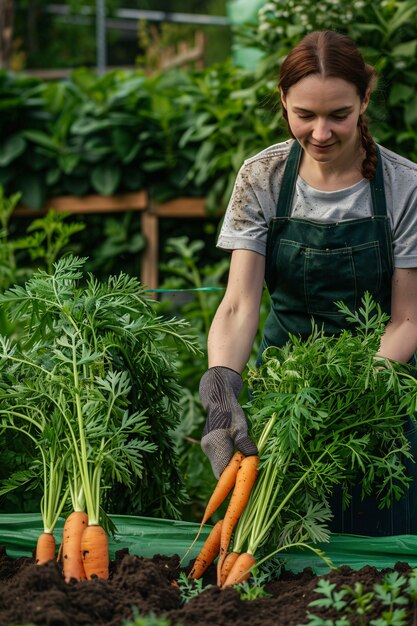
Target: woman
{"type": "Point", "coordinates": [322, 217]}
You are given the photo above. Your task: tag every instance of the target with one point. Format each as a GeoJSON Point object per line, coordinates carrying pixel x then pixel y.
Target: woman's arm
{"type": "Point", "coordinates": [236, 321]}
{"type": "Point", "coordinates": [399, 342]}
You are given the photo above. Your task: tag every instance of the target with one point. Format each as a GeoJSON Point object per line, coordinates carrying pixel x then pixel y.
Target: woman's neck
{"type": "Point", "coordinates": [333, 175]}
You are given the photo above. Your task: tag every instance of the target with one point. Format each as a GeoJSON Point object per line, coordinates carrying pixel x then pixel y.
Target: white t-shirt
{"type": "Point", "coordinates": [254, 199]}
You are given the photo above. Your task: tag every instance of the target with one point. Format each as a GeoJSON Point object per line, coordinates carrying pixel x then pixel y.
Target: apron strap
{"type": "Point", "coordinates": [377, 188]}
{"type": "Point", "coordinates": [289, 181]}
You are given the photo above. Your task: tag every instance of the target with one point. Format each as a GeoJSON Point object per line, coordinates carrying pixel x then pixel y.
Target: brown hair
{"type": "Point", "coordinates": [332, 54]}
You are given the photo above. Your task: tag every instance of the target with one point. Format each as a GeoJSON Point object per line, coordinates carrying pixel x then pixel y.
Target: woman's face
{"type": "Point", "coordinates": [323, 116]}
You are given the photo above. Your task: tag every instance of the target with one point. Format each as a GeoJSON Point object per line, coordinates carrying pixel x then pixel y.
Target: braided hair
{"type": "Point", "coordinates": [332, 54]}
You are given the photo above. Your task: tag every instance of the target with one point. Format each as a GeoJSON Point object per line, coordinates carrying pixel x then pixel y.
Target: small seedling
{"type": "Point", "coordinates": [392, 596]}
{"type": "Point", "coordinates": [190, 588]}
{"type": "Point", "coordinates": [251, 591]}
{"type": "Point", "coordinates": [146, 620]}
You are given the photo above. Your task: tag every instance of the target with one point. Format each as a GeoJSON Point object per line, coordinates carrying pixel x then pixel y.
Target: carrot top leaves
{"type": "Point", "coordinates": [88, 359]}
{"type": "Point", "coordinates": [324, 415]}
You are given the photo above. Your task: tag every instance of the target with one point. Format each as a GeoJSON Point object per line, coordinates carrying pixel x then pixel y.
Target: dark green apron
{"type": "Point", "coordinates": [309, 266]}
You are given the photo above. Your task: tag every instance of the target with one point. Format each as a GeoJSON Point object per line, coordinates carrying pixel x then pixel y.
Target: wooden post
{"type": "Point", "coordinates": [150, 231]}
{"type": "Point", "coordinates": [6, 33]}
{"type": "Point", "coordinates": [177, 208]}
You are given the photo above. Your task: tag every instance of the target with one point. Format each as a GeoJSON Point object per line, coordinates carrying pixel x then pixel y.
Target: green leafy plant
{"type": "Point", "coordinates": [146, 620]}
{"type": "Point", "coordinates": [8, 263]}
{"type": "Point", "coordinates": [94, 354]}
{"type": "Point", "coordinates": [390, 599]}
{"type": "Point", "coordinates": [251, 590]}
{"type": "Point", "coordinates": [46, 239]}
{"type": "Point", "coordinates": [331, 597]}
{"type": "Point", "coordinates": [190, 588]}
{"type": "Point", "coordinates": [323, 414]}
{"type": "Point", "coordinates": [125, 131]}
{"type": "Point", "coordinates": [46, 431]}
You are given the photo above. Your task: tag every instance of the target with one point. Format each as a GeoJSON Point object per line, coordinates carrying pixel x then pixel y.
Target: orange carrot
{"type": "Point", "coordinates": [245, 480]}
{"type": "Point", "coordinates": [95, 552]}
{"type": "Point", "coordinates": [45, 548]}
{"type": "Point", "coordinates": [228, 563]}
{"type": "Point", "coordinates": [222, 489]}
{"type": "Point", "coordinates": [74, 527]}
{"type": "Point", "coordinates": [208, 552]}
{"type": "Point", "coordinates": [239, 571]}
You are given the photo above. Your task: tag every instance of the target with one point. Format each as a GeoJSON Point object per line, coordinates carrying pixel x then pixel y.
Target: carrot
{"type": "Point", "coordinates": [228, 563]}
{"type": "Point", "coordinates": [222, 489]}
{"type": "Point", "coordinates": [45, 548]}
{"type": "Point", "coordinates": [240, 570]}
{"type": "Point", "coordinates": [208, 552]}
{"type": "Point", "coordinates": [74, 527]}
{"type": "Point", "coordinates": [95, 552]}
{"type": "Point", "coordinates": [245, 479]}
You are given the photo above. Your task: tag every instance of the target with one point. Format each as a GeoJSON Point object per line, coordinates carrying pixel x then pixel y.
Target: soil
{"type": "Point", "coordinates": [33, 594]}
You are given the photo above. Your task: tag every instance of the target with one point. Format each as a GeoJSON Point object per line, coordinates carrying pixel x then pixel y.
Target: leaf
{"type": "Point", "coordinates": [406, 49]}
{"type": "Point", "coordinates": [42, 139]}
{"type": "Point", "coordinates": [87, 126]}
{"type": "Point", "coordinates": [125, 143]}
{"type": "Point", "coordinates": [11, 148]}
{"type": "Point", "coordinates": [410, 116]}
{"type": "Point", "coordinates": [106, 178]}
{"type": "Point", "coordinates": [33, 190]}
{"type": "Point", "coordinates": [68, 162]}
{"type": "Point", "coordinates": [15, 481]}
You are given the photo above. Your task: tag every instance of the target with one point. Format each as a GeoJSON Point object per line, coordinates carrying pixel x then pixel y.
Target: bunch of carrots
{"type": "Point", "coordinates": [322, 415]}
{"type": "Point", "coordinates": [239, 478]}
{"type": "Point", "coordinates": [72, 549]}
{"type": "Point", "coordinates": [67, 390]}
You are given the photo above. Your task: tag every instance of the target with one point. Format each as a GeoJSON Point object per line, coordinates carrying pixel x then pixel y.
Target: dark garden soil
{"type": "Point", "coordinates": [31, 594]}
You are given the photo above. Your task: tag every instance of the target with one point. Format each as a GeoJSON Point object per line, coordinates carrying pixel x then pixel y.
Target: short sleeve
{"type": "Point", "coordinates": [400, 179]}
{"type": "Point", "coordinates": [253, 201]}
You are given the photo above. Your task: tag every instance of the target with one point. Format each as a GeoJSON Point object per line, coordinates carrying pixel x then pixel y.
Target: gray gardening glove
{"type": "Point", "coordinates": [226, 427]}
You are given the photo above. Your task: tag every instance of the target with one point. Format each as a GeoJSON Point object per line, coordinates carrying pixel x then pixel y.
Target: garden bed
{"type": "Point", "coordinates": [39, 595]}
{"type": "Point", "coordinates": [145, 560]}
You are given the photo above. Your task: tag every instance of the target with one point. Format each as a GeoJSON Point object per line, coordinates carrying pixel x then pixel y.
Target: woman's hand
{"type": "Point", "coordinates": [226, 427]}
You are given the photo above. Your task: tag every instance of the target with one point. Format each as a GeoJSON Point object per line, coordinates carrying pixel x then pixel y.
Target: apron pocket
{"type": "Point", "coordinates": [340, 274]}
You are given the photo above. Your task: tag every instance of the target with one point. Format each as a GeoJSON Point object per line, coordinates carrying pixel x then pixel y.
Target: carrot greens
{"type": "Point", "coordinates": [324, 413]}
{"type": "Point", "coordinates": [83, 376]}
{"type": "Point", "coordinates": [45, 431]}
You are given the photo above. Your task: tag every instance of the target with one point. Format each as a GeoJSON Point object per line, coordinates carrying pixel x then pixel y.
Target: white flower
{"type": "Point", "coordinates": [269, 6]}
{"type": "Point", "coordinates": [263, 27]}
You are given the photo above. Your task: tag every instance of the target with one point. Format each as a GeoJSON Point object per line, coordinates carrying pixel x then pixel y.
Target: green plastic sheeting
{"type": "Point", "coordinates": [146, 536]}
{"type": "Point", "coordinates": [143, 536]}
{"type": "Point", "coordinates": [356, 551]}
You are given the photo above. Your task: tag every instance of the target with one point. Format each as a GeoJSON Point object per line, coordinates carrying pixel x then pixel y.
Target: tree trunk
{"type": "Point", "coordinates": [6, 32]}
